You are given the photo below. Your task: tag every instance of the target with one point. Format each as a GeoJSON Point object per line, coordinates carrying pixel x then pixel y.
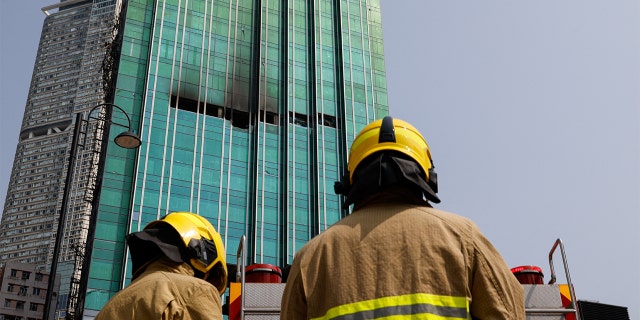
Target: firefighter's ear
{"type": "Point", "coordinates": [342, 186]}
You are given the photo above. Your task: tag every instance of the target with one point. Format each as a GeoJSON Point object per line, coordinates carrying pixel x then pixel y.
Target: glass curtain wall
{"type": "Point", "coordinates": [246, 109]}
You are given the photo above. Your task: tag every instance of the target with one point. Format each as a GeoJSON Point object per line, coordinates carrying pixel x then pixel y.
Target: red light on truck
{"type": "Point", "coordinates": [528, 274]}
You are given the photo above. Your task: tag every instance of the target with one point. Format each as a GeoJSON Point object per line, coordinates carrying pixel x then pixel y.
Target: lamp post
{"type": "Point", "coordinates": [127, 139]}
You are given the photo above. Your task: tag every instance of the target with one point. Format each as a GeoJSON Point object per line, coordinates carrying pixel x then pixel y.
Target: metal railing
{"type": "Point", "coordinates": [571, 308]}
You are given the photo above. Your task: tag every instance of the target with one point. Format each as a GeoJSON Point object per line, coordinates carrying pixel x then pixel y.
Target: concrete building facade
{"type": "Point", "coordinates": [23, 288]}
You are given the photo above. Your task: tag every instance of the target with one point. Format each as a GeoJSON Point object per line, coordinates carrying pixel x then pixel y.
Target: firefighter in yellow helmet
{"type": "Point", "coordinates": [395, 256]}
{"type": "Point", "coordinates": [179, 272]}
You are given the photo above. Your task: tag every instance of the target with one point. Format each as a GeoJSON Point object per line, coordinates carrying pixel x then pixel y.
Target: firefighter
{"type": "Point", "coordinates": [395, 255]}
{"type": "Point", "coordinates": [179, 272]}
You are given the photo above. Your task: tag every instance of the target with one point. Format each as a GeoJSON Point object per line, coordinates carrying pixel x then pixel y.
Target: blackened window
{"type": "Point", "coordinates": [238, 118]}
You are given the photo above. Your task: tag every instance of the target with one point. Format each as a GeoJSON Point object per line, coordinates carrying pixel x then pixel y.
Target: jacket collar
{"type": "Point", "coordinates": [166, 265]}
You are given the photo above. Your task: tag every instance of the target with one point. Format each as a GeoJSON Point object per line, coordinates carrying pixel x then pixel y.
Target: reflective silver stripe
{"type": "Point", "coordinates": [420, 311]}
{"type": "Point", "coordinates": [408, 306]}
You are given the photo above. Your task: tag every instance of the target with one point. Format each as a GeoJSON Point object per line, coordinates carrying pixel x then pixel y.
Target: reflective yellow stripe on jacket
{"type": "Point", "coordinates": [410, 306]}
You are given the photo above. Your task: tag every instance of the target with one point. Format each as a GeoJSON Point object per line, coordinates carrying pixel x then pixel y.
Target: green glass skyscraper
{"type": "Point", "coordinates": [246, 110]}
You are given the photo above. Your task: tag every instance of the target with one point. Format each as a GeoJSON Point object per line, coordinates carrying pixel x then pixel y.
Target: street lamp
{"type": "Point", "coordinates": [127, 139]}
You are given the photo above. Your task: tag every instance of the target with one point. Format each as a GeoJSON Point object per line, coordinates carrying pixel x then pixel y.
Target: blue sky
{"type": "Point", "coordinates": [532, 112]}
{"type": "Point", "coordinates": [531, 109]}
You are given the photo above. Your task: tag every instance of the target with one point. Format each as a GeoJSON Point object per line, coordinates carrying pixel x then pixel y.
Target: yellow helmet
{"type": "Point", "coordinates": [390, 134]}
{"type": "Point", "coordinates": [203, 243]}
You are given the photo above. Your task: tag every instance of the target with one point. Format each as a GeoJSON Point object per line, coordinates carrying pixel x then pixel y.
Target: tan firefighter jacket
{"type": "Point", "coordinates": [165, 291]}
{"type": "Point", "coordinates": [401, 260]}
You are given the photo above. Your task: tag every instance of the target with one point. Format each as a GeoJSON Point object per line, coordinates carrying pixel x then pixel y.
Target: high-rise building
{"type": "Point", "coordinates": [67, 78]}
{"type": "Point", "coordinates": [37, 174]}
{"type": "Point", "coordinates": [246, 110]}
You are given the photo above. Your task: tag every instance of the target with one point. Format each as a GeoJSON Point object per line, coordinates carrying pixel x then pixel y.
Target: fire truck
{"type": "Point", "coordinates": [258, 298]}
